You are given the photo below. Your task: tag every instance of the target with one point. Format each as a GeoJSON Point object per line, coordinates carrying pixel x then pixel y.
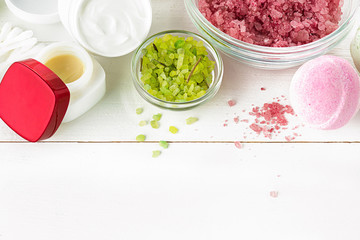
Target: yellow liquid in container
{"type": "Point", "coordinates": [69, 68]}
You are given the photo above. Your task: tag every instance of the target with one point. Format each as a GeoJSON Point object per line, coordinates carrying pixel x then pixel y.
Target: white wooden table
{"type": "Point", "coordinates": [92, 180]}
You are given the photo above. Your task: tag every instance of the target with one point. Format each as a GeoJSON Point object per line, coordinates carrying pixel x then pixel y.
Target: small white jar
{"type": "Point", "coordinates": [89, 88]}
{"type": "Point", "coordinates": [109, 28]}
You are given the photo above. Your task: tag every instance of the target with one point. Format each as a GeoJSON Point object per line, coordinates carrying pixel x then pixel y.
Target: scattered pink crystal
{"type": "Point", "coordinates": [269, 120]}
{"type": "Point", "coordinates": [270, 117]}
{"type": "Point", "coordinates": [231, 103]}
{"type": "Point", "coordinates": [289, 138]}
{"type": "Point", "coordinates": [236, 119]}
{"type": "Point", "coordinates": [274, 23]}
{"type": "Point", "coordinates": [274, 194]}
{"type": "Point", "coordinates": [238, 144]}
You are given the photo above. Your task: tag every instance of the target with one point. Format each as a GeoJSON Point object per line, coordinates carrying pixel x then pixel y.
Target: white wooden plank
{"type": "Point", "coordinates": [192, 191]}
{"type": "Point", "coordinates": [113, 119]}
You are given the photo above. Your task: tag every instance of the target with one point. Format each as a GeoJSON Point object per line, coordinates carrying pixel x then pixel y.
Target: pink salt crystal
{"type": "Point", "coordinates": [289, 138]}
{"type": "Point", "coordinates": [271, 116]}
{"type": "Point", "coordinates": [236, 119]}
{"type": "Point", "coordinates": [256, 128]}
{"type": "Point", "coordinates": [274, 194]}
{"type": "Point", "coordinates": [296, 127]}
{"type": "Point", "coordinates": [267, 132]}
{"type": "Point", "coordinates": [238, 144]}
{"type": "Point", "coordinates": [274, 23]}
{"type": "Point", "coordinates": [231, 103]}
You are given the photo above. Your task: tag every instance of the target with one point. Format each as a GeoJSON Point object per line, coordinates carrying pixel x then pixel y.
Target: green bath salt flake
{"type": "Point", "coordinates": [156, 153]}
{"type": "Point", "coordinates": [173, 129]}
{"type": "Point", "coordinates": [157, 117]}
{"type": "Point", "coordinates": [164, 144]}
{"type": "Point", "coordinates": [139, 111]}
{"type": "Point", "coordinates": [176, 69]}
{"type": "Point", "coordinates": [140, 138]}
{"type": "Point", "coordinates": [154, 124]}
{"type": "Point", "coordinates": [191, 120]}
{"type": "Point", "coordinates": [142, 123]}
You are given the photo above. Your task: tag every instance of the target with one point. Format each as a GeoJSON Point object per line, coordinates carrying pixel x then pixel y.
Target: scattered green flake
{"type": "Point", "coordinates": [142, 123]}
{"type": "Point", "coordinates": [140, 138]}
{"type": "Point", "coordinates": [176, 69]}
{"type": "Point", "coordinates": [173, 129]}
{"type": "Point", "coordinates": [154, 124]}
{"type": "Point", "coordinates": [191, 120]}
{"type": "Point", "coordinates": [157, 117]}
{"type": "Point", "coordinates": [163, 144]}
{"type": "Point", "coordinates": [139, 110]}
{"type": "Point", "coordinates": [156, 153]}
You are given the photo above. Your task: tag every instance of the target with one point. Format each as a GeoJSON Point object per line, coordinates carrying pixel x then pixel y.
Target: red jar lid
{"type": "Point", "coordinates": [33, 100]}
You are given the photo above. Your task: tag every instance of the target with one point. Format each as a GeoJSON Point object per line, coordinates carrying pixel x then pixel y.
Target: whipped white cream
{"type": "Point", "coordinates": [113, 27]}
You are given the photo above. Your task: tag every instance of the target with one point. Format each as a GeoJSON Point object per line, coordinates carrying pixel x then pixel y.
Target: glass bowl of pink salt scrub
{"type": "Point", "coordinates": [177, 70]}
{"type": "Point", "coordinates": [274, 34]}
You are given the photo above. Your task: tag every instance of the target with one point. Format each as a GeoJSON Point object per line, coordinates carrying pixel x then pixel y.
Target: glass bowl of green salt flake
{"type": "Point", "coordinates": [177, 70]}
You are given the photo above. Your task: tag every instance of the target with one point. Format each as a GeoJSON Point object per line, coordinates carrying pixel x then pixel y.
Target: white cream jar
{"type": "Point", "coordinates": [109, 28]}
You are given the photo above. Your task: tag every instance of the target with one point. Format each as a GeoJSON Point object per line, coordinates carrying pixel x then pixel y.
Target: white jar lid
{"type": "Point", "coordinates": [35, 11]}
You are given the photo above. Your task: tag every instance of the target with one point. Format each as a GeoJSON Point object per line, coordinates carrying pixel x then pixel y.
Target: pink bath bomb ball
{"type": "Point", "coordinates": [325, 92]}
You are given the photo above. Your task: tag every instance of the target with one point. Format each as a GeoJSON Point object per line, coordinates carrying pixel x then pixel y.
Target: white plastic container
{"type": "Point", "coordinates": [35, 11]}
{"type": "Point", "coordinates": [109, 28]}
{"type": "Point", "coordinates": [86, 91]}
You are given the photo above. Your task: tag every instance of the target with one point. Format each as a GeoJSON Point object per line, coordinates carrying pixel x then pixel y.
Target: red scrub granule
{"type": "Point", "coordinates": [231, 103]}
{"type": "Point", "coordinates": [274, 23]}
{"type": "Point", "coordinates": [274, 194]}
{"type": "Point", "coordinates": [236, 119]}
{"type": "Point", "coordinates": [238, 144]}
{"type": "Point", "coordinates": [289, 138]}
